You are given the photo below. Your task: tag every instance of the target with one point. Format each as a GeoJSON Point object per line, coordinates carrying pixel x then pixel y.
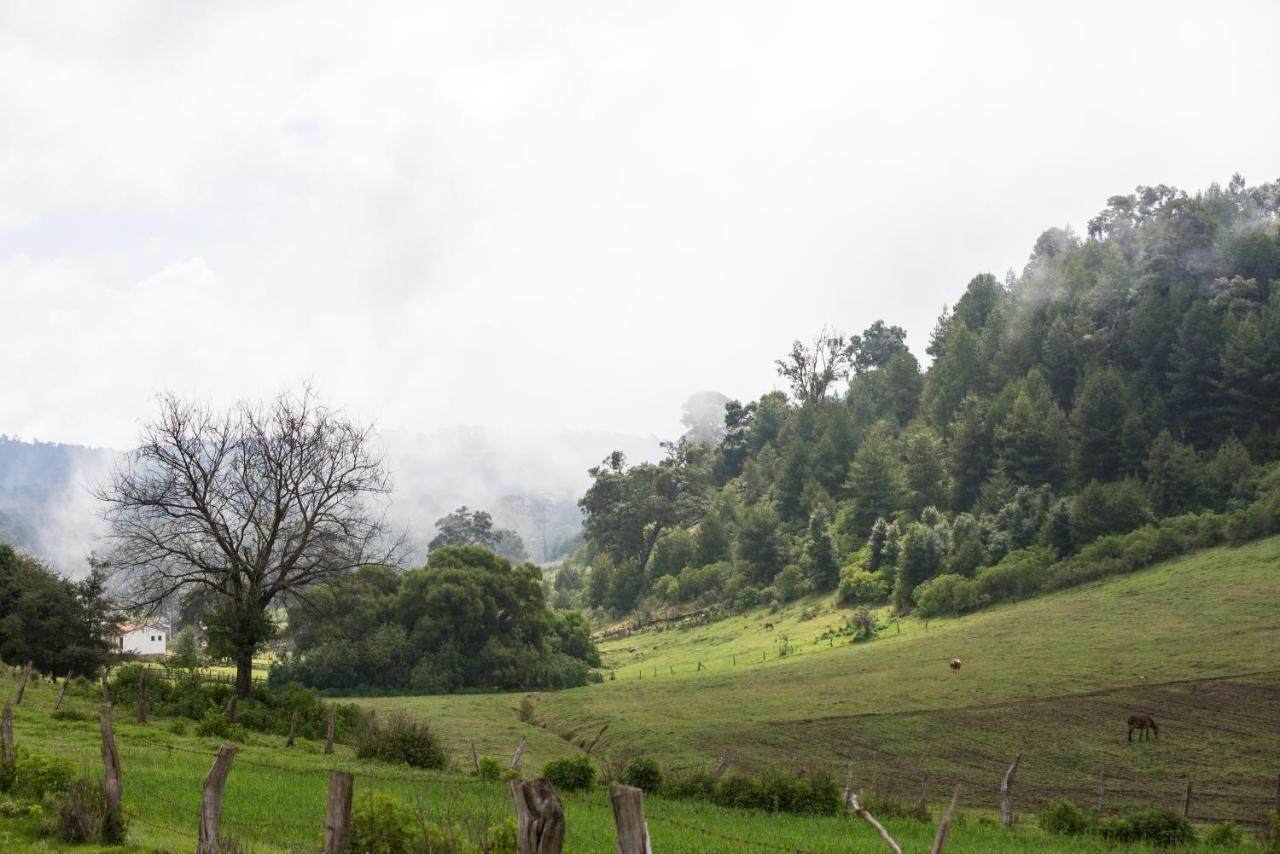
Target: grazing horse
{"type": "Point", "coordinates": [955, 664]}
{"type": "Point", "coordinates": [1142, 723]}
{"type": "Point", "coordinates": [768, 627]}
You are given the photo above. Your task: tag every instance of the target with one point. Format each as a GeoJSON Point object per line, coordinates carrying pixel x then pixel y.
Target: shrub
{"type": "Point", "coordinates": [1273, 831]}
{"type": "Point", "coordinates": [1162, 827]}
{"type": "Point", "coordinates": [1063, 817]}
{"type": "Point", "coordinates": [946, 594]}
{"type": "Point", "coordinates": [859, 587]}
{"type": "Point", "coordinates": [572, 774]}
{"type": "Point", "coordinates": [492, 770]}
{"type": "Point", "coordinates": [738, 790]}
{"type": "Point", "coordinates": [38, 774]}
{"type": "Point", "coordinates": [381, 825]}
{"type": "Point", "coordinates": [1018, 575]}
{"type": "Point", "coordinates": [886, 805]}
{"type": "Point", "coordinates": [80, 811]}
{"type": "Point", "coordinates": [1225, 835]}
{"type": "Point", "coordinates": [71, 715]}
{"type": "Point", "coordinates": [526, 709]}
{"type": "Point", "coordinates": [817, 794]}
{"type": "Point", "coordinates": [399, 738]}
{"type": "Point", "coordinates": [643, 774]}
{"type": "Point", "coordinates": [689, 787]}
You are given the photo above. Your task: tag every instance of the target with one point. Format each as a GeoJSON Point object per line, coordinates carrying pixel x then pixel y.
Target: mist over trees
{"type": "Point", "coordinates": [1126, 376]}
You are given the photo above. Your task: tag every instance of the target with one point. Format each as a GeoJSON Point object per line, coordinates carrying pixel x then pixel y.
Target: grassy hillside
{"type": "Point", "coordinates": [274, 800]}
{"type": "Point", "coordinates": [1192, 641]}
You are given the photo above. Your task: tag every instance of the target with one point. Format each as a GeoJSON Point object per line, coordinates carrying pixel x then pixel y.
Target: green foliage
{"type": "Point", "coordinates": [946, 594]}
{"type": "Point", "coordinates": [469, 619]}
{"type": "Point", "coordinates": [493, 770]}
{"type": "Point", "coordinates": [570, 774]}
{"type": "Point", "coordinates": [35, 774]}
{"type": "Point", "coordinates": [58, 625]}
{"type": "Point", "coordinates": [399, 738]}
{"type": "Point", "coordinates": [81, 814]}
{"type": "Point", "coordinates": [1062, 816]}
{"type": "Point", "coordinates": [859, 587]}
{"type": "Point", "coordinates": [643, 773]}
{"type": "Point", "coordinates": [382, 825]}
{"type": "Point", "coordinates": [1224, 835]}
{"type": "Point", "coordinates": [1162, 827]}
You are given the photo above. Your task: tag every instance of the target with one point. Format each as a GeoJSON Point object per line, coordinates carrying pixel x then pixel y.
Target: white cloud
{"type": "Point", "coordinates": [567, 214]}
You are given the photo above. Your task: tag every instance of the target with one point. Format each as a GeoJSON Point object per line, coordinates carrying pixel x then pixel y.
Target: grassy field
{"type": "Point", "coordinates": [1193, 641]}
{"type": "Point", "coordinates": [274, 800]}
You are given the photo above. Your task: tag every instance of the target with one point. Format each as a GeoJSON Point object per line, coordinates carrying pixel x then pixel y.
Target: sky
{"type": "Point", "coordinates": [557, 216]}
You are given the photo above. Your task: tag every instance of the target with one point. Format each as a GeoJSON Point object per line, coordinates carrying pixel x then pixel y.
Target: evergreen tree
{"type": "Point", "coordinates": [1174, 478]}
{"type": "Point", "coordinates": [1099, 416]}
{"type": "Point", "coordinates": [1196, 375]}
{"type": "Point", "coordinates": [875, 482]}
{"type": "Point", "coordinates": [921, 559]}
{"type": "Point", "coordinates": [819, 559]}
{"type": "Point", "coordinates": [925, 468]}
{"type": "Point", "coordinates": [1031, 442]}
{"type": "Point", "coordinates": [1058, 355]}
{"type": "Point", "coordinates": [758, 544]}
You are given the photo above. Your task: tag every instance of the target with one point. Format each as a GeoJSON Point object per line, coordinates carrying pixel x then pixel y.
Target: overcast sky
{"type": "Point", "coordinates": [551, 214]}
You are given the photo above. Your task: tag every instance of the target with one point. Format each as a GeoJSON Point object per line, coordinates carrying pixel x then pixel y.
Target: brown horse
{"type": "Point", "coordinates": [955, 664]}
{"type": "Point", "coordinates": [1142, 723]}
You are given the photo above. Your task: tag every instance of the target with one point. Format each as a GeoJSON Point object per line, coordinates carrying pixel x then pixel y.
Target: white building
{"type": "Point", "coordinates": [146, 640]}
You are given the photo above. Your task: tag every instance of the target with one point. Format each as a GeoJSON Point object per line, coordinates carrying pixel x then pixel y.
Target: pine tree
{"type": "Point", "coordinates": [1174, 479]}
{"type": "Point", "coordinates": [1099, 419]}
{"type": "Point", "coordinates": [819, 559]}
{"type": "Point", "coordinates": [1196, 375]}
{"type": "Point", "coordinates": [1031, 442]}
{"type": "Point", "coordinates": [875, 482]}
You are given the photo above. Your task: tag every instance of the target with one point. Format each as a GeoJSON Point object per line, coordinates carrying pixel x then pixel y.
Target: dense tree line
{"type": "Point", "coordinates": [61, 626]}
{"type": "Point", "coordinates": [469, 619]}
{"type": "Point", "coordinates": [1124, 377]}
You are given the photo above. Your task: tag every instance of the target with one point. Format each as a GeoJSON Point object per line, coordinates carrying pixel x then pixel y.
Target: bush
{"type": "Point", "coordinates": [492, 770]}
{"type": "Point", "coordinates": [886, 805]}
{"type": "Point", "coordinates": [1063, 817]}
{"type": "Point", "coordinates": [80, 811]}
{"type": "Point", "coordinates": [1225, 835]}
{"type": "Point", "coordinates": [689, 787]}
{"type": "Point", "coordinates": [643, 774]}
{"type": "Point", "coordinates": [859, 587]}
{"type": "Point", "coordinates": [738, 790]}
{"type": "Point", "coordinates": [570, 775]}
{"type": "Point", "coordinates": [71, 715]}
{"type": "Point", "coordinates": [38, 774]}
{"type": "Point", "coordinates": [1162, 827]}
{"type": "Point", "coordinates": [382, 825]}
{"type": "Point", "coordinates": [1018, 575]}
{"type": "Point", "coordinates": [946, 594]}
{"type": "Point", "coordinates": [401, 739]}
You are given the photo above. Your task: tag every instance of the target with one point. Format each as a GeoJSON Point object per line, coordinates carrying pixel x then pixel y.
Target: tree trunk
{"type": "Point", "coordinates": [337, 822]}
{"type": "Point", "coordinates": [210, 839]}
{"type": "Point", "coordinates": [113, 783]}
{"type": "Point", "coordinates": [244, 674]}
{"type": "Point", "coordinates": [539, 817]}
{"type": "Point", "coordinates": [628, 817]}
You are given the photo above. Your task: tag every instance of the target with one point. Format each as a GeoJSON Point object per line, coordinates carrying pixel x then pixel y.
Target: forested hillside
{"type": "Point", "coordinates": [1125, 382]}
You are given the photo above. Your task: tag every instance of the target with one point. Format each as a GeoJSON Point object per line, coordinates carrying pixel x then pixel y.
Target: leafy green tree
{"type": "Point", "coordinates": [875, 482]}
{"type": "Point", "coordinates": [1175, 481]}
{"type": "Point", "coordinates": [922, 558]}
{"type": "Point", "coordinates": [714, 542]}
{"type": "Point", "coordinates": [957, 372]}
{"type": "Point", "coordinates": [819, 561]}
{"type": "Point", "coordinates": [59, 626]}
{"type": "Point", "coordinates": [1196, 375]}
{"type": "Point", "coordinates": [1058, 355]}
{"type": "Point", "coordinates": [877, 346]}
{"type": "Point", "coordinates": [1227, 475]}
{"type": "Point", "coordinates": [1108, 508]}
{"type": "Point", "coordinates": [1248, 382]}
{"type": "Point", "coordinates": [674, 551]}
{"type": "Point", "coordinates": [1099, 416]}
{"type": "Point", "coordinates": [1031, 443]}
{"type": "Point", "coordinates": [758, 545]}
{"type": "Point", "coordinates": [925, 469]}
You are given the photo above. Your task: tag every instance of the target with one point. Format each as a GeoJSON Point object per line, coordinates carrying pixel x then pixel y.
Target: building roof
{"type": "Point", "coordinates": [126, 628]}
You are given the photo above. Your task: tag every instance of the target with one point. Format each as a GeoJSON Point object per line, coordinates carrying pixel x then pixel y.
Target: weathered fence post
{"type": "Point", "coordinates": [1278, 793]}
{"type": "Point", "coordinates": [475, 757]}
{"type": "Point", "coordinates": [515, 760]}
{"type": "Point", "coordinates": [1186, 800]}
{"type": "Point", "coordinates": [293, 730]}
{"type": "Point", "coordinates": [1006, 808]}
{"type": "Point", "coordinates": [337, 820]}
{"type": "Point", "coordinates": [62, 692]}
{"type": "Point", "coordinates": [724, 766]}
{"type": "Point", "coordinates": [211, 803]}
{"type": "Point", "coordinates": [848, 784]}
{"type": "Point", "coordinates": [940, 841]}
{"type": "Point", "coordinates": [22, 686]}
{"type": "Point", "coordinates": [113, 783]}
{"type": "Point", "coordinates": [231, 707]}
{"type": "Point", "coordinates": [592, 745]}
{"type": "Point", "coordinates": [1102, 788]}
{"type": "Point", "coordinates": [851, 803]}
{"type": "Point", "coordinates": [6, 732]}
{"type": "Point", "coordinates": [628, 817]}
{"type": "Point", "coordinates": [924, 792]}
{"type": "Point", "coordinates": [142, 696]}
{"type": "Point", "coordinates": [539, 817]}
{"type": "Point", "coordinates": [328, 736]}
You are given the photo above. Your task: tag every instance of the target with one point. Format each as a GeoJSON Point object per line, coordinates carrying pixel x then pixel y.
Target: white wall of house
{"type": "Point", "coordinates": [145, 640]}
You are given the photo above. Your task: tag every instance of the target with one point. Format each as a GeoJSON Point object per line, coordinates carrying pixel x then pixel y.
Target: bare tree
{"type": "Point", "coordinates": [814, 368]}
{"type": "Point", "coordinates": [250, 506]}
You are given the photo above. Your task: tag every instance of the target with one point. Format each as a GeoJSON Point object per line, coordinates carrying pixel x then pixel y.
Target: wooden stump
{"type": "Point", "coordinates": [293, 730]}
{"type": "Point", "coordinates": [113, 782]}
{"type": "Point", "coordinates": [6, 733]}
{"type": "Point", "coordinates": [211, 803]}
{"type": "Point", "coordinates": [22, 685]}
{"type": "Point", "coordinates": [628, 817]}
{"type": "Point", "coordinates": [1006, 808]}
{"type": "Point", "coordinates": [337, 821]}
{"type": "Point", "coordinates": [539, 817]}
{"type": "Point", "coordinates": [328, 736]}
{"type": "Point", "coordinates": [944, 826]}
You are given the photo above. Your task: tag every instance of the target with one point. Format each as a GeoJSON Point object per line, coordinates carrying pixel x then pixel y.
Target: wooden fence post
{"type": "Point", "coordinates": [22, 686]}
{"type": "Point", "coordinates": [1006, 808]}
{"type": "Point", "coordinates": [1102, 788]}
{"type": "Point", "coordinates": [211, 803]}
{"type": "Point", "coordinates": [515, 760]}
{"type": "Point", "coordinates": [231, 707]}
{"type": "Point", "coordinates": [848, 784]}
{"type": "Point", "coordinates": [62, 692]}
{"type": "Point", "coordinates": [475, 757]}
{"type": "Point", "coordinates": [628, 817]}
{"type": "Point", "coordinates": [851, 803]}
{"type": "Point", "coordinates": [1278, 793]}
{"type": "Point", "coordinates": [113, 783]}
{"type": "Point", "coordinates": [539, 817]}
{"type": "Point", "coordinates": [592, 745]}
{"type": "Point", "coordinates": [1186, 801]}
{"type": "Point", "coordinates": [293, 730]}
{"type": "Point", "coordinates": [142, 696]}
{"type": "Point", "coordinates": [328, 736]}
{"type": "Point", "coordinates": [724, 766]}
{"type": "Point", "coordinates": [940, 841]}
{"type": "Point", "coordinates": [6, 732]}
{"type": "Point", "coordinates": [924, 792]}
{"type": "Point", "coordinates": [337, 821]}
